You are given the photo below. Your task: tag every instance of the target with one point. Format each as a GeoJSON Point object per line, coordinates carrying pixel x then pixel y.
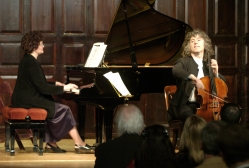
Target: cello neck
{"type": "Point", "coordinates": [211, 76]}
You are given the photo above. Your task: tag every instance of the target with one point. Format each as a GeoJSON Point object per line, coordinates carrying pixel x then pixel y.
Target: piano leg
{"type": "Point", "coordinates": [99, 123]}
{"type": "Point", "coordinates": [81, 119]}
{"type": "Point", "coordinates": [101, 114]}
{"type": "Point", "coordinates": [108, 121]}
{"type": "Point", "coordinates": [107, 116]}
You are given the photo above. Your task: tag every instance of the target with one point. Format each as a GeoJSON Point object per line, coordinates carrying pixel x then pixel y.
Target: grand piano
{"type": "Point", "coordinates": [142, 45]}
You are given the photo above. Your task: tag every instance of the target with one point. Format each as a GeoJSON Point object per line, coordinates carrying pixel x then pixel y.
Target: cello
{"type": "Point", "coordinates": [212, 97]}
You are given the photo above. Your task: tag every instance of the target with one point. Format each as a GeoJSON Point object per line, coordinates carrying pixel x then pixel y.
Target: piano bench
{"type": "Point", "coordinates": [21, 118]}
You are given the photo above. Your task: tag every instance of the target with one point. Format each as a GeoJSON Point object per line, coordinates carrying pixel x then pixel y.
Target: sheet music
{"type": "Point", "coordinates": [96, 55]}
{"type": "Point", "coordinates": [118, 83]}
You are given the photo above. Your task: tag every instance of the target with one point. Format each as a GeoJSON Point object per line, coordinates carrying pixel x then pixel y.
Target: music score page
{"type": "Point", "coordinates": [118, 83]}
{"type": "Point", "coordinates": [96, 55]}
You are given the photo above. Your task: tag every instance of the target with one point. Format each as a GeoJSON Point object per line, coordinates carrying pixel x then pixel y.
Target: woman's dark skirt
{"type": "Point", "coordinates": [62, 122]}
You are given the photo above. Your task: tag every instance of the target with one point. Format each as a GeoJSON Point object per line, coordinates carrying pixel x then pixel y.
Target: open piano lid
{"type": "Point", "coordinates": [156, 38]}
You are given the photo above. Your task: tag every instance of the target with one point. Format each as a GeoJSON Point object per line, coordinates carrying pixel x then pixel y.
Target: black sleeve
{"type": "Point", "coordinates": [39, 81]}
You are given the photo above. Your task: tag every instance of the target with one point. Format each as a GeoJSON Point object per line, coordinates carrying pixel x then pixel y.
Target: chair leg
{"type": "Point", "coordinates": [19, 142]}
{"type": "Point", "coordinates": [35, 134]}
{"type": "Point", "coordinates": [12, 142]}
{"type": "Point", "coordinates": [179, 137]}
{"type": "Point", "coordinates": [31, 135]}
{"type": "Point", "coordinates": [41, 139]}
{"type": "Point", "coordinates": [7, 137]}
{"type": "Point", "coordinates": [175, 136]}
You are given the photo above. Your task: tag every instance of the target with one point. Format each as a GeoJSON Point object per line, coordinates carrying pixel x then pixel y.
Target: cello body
{"type": "Point", "coordinates": [210, 104]}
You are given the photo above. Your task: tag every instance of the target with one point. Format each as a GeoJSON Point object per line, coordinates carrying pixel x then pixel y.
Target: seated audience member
{"type": "Point", "coordinates": [119, 152]}
{"type": "Point", "coordinates": [231, 113]}
{"type": "Point", "coordinates": [155, 149]}
{"type": "Point", "coordinates": [233, 142]}
{"type": "Point", "coordinates": [190, 153]}
{"type": "Point", "coordinates": [210, 147]}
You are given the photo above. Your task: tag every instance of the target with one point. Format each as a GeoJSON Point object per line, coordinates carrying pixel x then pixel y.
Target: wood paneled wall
{"type": "Point", "coordinates": [70, 27]}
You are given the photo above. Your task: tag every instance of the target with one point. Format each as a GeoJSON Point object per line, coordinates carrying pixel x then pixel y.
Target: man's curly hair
{"type": "Point", "coordinates": [208, 49]}
{"type": "Point", "coordinates": [31, 41]}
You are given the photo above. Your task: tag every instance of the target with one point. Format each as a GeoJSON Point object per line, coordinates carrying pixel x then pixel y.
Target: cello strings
{"type": "Point", "coordinates": [214, 95]}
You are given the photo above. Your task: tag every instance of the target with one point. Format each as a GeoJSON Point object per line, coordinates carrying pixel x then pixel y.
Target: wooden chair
{"type": "Point", "coordinates": [175, 125]}
{"type": "Point", "coordinates": [21, 118]}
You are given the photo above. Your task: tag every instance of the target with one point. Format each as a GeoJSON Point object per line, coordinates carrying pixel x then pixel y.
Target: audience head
{"type": "Point", "coordinates": [155, 149]}
{"type": "Point", "coordinates": [129, 119]}
{"type": "Point", "coordinates": [231, 113]}
{"type": "Point", "coordinates": [191, 138]}
{"type": "Point", "coordinates": [209, 137]}
{"type": "Point", "coordinates": [233, 142]}
{"type": "Point", "coordinates": [31, 41]}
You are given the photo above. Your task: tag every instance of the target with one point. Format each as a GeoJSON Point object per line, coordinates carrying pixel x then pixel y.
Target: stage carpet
{"type": "Point", "coordinates": [27, 158]}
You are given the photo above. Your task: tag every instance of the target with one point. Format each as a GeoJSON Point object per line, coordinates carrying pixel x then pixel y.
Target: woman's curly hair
{"type": "Point", "coordinates": [208, 49]}
{"type": "Point", "coordinates": [31, 41]}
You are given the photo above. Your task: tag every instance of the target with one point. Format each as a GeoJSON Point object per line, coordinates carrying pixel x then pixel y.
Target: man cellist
{"type": "Point", "coordinates": [188, 70]}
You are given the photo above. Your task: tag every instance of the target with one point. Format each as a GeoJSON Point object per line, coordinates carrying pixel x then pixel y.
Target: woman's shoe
{"type": "Point", "coordinates": [84, 149]}
{"type": "Point", "coordinates": [53, 149]}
